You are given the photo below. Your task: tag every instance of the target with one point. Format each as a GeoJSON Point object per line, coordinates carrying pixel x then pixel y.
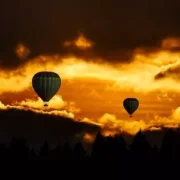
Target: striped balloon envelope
{"type": "Point", "coordinates": [131, 105]}
{"type": "Point", "coordinates": [46, 85]}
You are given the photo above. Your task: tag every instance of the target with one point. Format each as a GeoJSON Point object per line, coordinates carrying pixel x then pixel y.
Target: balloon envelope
{"type": "Point", "coordinates": [131, 105]}
{"type": "Point", "coordinates": [46, 85]}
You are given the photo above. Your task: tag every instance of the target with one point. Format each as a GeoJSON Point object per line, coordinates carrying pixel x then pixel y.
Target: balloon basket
{"type": "Point", "coordinates": [46, 104]}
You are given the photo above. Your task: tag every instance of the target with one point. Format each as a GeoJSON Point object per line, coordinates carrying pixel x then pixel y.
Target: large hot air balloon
{"type": "Point", "coordinates": [131, 105]}
{"type": "Point", "coordinates": [46, 85]}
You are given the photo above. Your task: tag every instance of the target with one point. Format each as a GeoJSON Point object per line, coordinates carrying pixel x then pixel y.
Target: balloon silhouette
{"type": "Point", "coordinates": [46, 85]}
{"type": "Point", "coordinates": [131, 105]}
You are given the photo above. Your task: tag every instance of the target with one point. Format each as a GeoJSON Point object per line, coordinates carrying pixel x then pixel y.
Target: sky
{"type": "Point", "coordinates": [104, 52]}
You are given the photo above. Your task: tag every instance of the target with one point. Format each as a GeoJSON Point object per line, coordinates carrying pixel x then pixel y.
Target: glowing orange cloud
{"type": "Point", "coordinates": [89, 137]}
{"type": "Point", "coordinates": [81, 42]}
{"type": "Point", "coordinates": [170, 43]}
{"type": "Point", "coordinates": [58, 107]}
{"type": "Point", "coordinates": [22, 51]}
{"type": "Point", "coordinates": [94, 92]}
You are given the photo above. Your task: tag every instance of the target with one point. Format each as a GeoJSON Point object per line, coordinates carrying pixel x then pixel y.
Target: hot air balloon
{"type": "Point", "coordinates": [46, 85]}
{"type": "Point", "coordinates": [131, 105]}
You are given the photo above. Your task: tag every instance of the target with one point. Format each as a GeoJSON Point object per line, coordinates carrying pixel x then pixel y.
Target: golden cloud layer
{"type": "Point", "coordinates": [93, 92]}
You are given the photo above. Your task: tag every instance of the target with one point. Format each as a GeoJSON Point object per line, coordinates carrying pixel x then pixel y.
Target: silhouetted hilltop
{"type": "Point", "coordinates": [38, 127]}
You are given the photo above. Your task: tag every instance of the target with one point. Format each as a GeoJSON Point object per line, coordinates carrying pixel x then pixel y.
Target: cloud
{"type": "Point", "coordinates": [171, 43]}
{"type": "Point", "coordinates": [81, 42]}
{"type": "Point", "coordinates": [57, 107]}
{"type": "Point", "coordinates": [109, 26]}
{"type": "Point", "coordinates": [95, 87]}
{"type": "Point", "coordinates": [108, 123]}
{"type": "Point", "coordinates": [111, 125]}
{"type": "Point", "coordinates": [172, 71]}
{"type": "Point", "coordinates": [165, 96]}
{"type": "Point", "coordinates": [101, 57]}
{"type": "Point", "coordinates": [85, 84]}
{"type": "Point", "coordinates": [144, 67]}
{"type": "Point", "coordinates": [22, 51]}
{"type": "Point", "coordinates": [89, 137]}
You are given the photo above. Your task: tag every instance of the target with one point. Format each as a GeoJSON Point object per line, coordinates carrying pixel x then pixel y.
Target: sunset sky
{"type": "Point", "coordinates": [104, 52]}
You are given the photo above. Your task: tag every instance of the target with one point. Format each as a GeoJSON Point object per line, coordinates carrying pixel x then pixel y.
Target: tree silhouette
{"type": "Point", "coordinates": [66, 152]}
{"type": "Point", "coordinates": [98, 147]}
{"type": "Point", "coordinates": [107, 152]}
{"type": "Point", "coordinates": [44, 150]}
{"type": "Point", "coordinates": [79, 152]}
{"type": "Point", "coordinates": [18, 149]}
{"type": "Point", "coordinates": [140, 148]}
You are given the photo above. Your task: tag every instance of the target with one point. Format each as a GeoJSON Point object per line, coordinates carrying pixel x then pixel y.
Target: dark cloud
{"type": "Point", "coordinates": [114, 26]}
{"type": "Point", "coordinates": [38, 127]}
{"type": "Point", "coordinates": [160, 76]}
{"type": "Point", "coordinates": [172, 72]}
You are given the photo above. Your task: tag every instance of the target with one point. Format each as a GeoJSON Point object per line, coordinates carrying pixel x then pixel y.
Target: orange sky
{"type": "Point", "coordinates": [94, 92]}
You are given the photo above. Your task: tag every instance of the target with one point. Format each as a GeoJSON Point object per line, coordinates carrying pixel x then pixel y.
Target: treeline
{"type": "Point", "coordinates": [103, 148]}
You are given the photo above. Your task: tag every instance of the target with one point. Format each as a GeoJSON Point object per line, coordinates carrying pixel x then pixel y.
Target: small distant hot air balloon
{"type": "Point", "coordinates": [131, 105]}
{"type": "Point", "coordinates": [46, 85]}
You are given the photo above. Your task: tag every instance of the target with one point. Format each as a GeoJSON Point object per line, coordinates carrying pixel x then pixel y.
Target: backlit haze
{"type": "Point", "coordinates": [93, 91]}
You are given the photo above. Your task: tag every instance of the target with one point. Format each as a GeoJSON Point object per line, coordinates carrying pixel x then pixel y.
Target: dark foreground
{"type": "Point", "coordinates": [108, 156]}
